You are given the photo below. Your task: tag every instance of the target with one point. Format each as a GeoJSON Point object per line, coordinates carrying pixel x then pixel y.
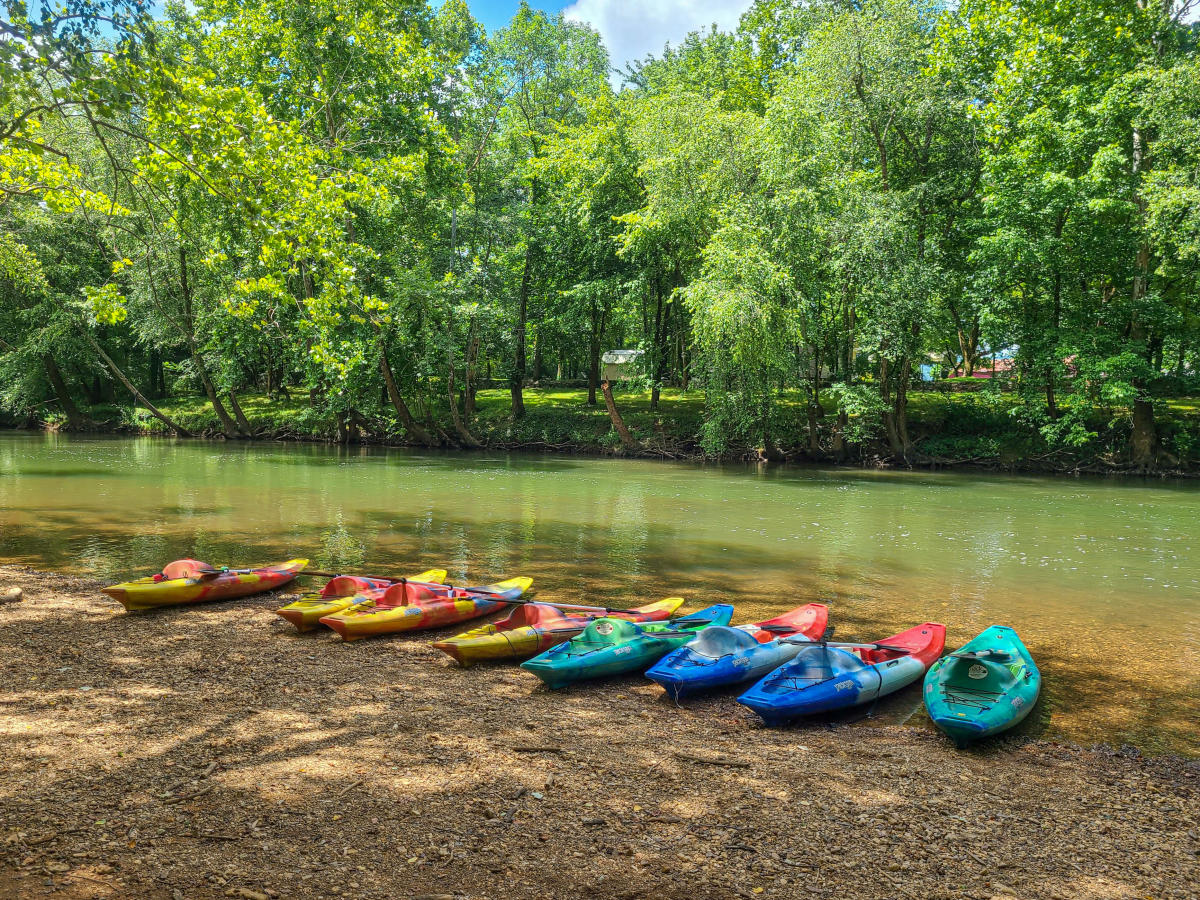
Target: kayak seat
{"type": "Point", "coordinates": [184, 568]}
{"type": "Point", "coordinates": [606, 631]}
{"type": "Point", "coordinates": [346, 586]}
{"type": "Point", "coordinates": [981, 674]}
{"type": "Point", "coordinates": [533, 615]}
{"type": "Point", "coordinates": [721, 640]}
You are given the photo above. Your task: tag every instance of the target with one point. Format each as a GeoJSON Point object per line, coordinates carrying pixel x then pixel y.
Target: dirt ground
{"type": "Point", "coordinates": [210, 752]}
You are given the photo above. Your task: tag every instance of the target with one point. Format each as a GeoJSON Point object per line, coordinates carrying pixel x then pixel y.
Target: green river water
{"type": "Point", "coordinates": [1100, 577]}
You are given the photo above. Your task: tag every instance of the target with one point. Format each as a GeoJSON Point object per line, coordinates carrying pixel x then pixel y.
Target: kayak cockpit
{"type": "Point", "coordinates": [816, 665]}
{"type": "Point", "coordinates": [721, 640]}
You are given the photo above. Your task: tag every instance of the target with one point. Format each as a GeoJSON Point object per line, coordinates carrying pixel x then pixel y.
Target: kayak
{"type": "Point", "coordinates": [986, 686]}
{"type": "Point", "coordinates": [408, 607]}
{"type": "Point", "coordinates": [823, 678]}
{"type": "Point", "coordinates": [609, 646]}
{"type": "Point", "coordinates": [533, 628]}
{"type": "Point", "coordinates": [723, 655]}
{"type": "Point", "coordinates": [191, 581]}
{"type": "Point", "coordinates": [342, 593]}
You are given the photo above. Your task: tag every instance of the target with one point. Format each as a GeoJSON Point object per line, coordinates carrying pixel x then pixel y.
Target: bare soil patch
{"type": "Point", "coordinates": [210, 752]}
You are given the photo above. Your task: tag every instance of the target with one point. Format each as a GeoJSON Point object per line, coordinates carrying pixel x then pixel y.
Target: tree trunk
{"type": "Point", "coordinates": [517, 381]}
{"type": "Point", "coordinates": [594, 354]}
{"type": "Point", "coordinates": [627, 439]}
{"type": "Point", "coordinates": [469, 374]}
{"type": "Point", "coordinates": [1143, 440]}
{"type": "Point", "coordinates": [537, 355]}
{"type": "Point", "coordinates": [839, 436]}
{"type": "Point", "coordinates": [900, 407]}
{"type": "Point", "coordinates": [228, 426]}
{"type": "Point", "coordinates": [138, 395]}
{"type": "Point", "coordinates": [76, 421]}
{"type": "Point", "coordinates": [656, 361]}
{"type": "Point", "coordinates": [464, 433]}
{"type": "Point", "coordinates": [895, 444]}
{"type": "Point", "coordinates": [243, 422]}
{"type": "Point", "coordinates": [157, 381]}
{"type": "Point", "coordinates": [815, 410]}
{"type": "Point", "coordinates": [415, 432]}
{"type": "Point", "coordinates": [663, 356]}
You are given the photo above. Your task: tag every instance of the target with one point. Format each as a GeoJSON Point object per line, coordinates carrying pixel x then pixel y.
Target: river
{"type": "Point", "coordinates": [1100, 577]}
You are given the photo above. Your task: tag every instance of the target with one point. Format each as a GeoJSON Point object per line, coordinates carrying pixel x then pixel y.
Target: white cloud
{"type": "Point", "coordinates": [633, 28]}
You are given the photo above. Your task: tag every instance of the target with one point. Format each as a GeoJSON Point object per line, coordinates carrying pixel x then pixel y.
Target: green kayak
{"type": "Point", "coordinates": [614, 646]}
{"type": "Point", "coordinates": [985, 687]}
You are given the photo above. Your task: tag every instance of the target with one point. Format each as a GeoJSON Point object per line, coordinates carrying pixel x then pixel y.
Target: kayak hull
{"type": "Point", "coordinates": [446, 607]}
{"type": "Point", "coordinates": [146, 593]}
{"type": "Point", "coordinates": [589, 656]}
{"type": "Point", "coordinates": [971, 698]}
{"type": "Point", "coordinates": [342, 593]}
{"type": "Point", "coordinates": [505, 640]}
{"type": "Point", "coordinates": [823, 679]}
{"type": "Point", "coordinates": [758, 650]}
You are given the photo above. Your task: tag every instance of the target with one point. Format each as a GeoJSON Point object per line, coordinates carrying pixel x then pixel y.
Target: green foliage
{"type": "Point", "coordinates": [790, 219]}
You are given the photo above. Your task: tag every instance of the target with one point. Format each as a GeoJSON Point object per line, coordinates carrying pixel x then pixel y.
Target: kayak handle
{"type": "Point", "coordinates": [978, 654]}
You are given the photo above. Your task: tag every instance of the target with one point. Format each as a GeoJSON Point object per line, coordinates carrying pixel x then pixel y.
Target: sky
{"type": "Point", "coordinates": [630, 28]}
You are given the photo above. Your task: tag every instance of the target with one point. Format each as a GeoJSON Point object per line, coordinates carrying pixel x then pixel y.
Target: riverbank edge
{"type": "Point", "coordinates": [149, 756]}
{"type": "Point", "coordinates": [1060, 463]}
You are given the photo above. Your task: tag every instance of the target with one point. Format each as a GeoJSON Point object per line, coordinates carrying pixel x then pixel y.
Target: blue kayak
{"type": "Point", "coordinates": [724, 655]}
{"type": "Point", "coordinates": [825, 678]}
{"type": "Point", "coordinates": [986, 686]}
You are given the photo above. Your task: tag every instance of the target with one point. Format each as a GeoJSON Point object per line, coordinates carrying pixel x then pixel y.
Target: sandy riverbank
{"type": "Point", "coordinates": [211, 752]}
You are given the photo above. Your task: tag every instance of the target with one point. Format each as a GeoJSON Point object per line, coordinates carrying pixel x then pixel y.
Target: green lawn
{"type": "Point", "coordinates": [968, 425]}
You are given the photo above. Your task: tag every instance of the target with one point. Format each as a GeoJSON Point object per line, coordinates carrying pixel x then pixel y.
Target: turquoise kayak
{"type": "Point", "coordinates": [614, 646]}
{"type": "Point", "coordinates": [986, 686]}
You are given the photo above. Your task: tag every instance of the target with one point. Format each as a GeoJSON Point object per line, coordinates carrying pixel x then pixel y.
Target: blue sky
{"type": "Point", "coordinates": [630, 28]}
{"type": "Point", "coordinates": [496, 13]}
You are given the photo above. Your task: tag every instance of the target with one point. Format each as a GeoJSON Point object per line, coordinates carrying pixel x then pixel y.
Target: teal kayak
{"type": "Point", "coordinates": [614, 646]}
{"type": "Point", "coordinates": [986, 686]}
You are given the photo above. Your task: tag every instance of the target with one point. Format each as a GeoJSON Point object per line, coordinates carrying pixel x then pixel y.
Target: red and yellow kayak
{"type": "Point", "coordinates": [407, 607]}
{"type": "Point", "coordinates": [192, 581]}
{"type": "Point", "coordinates": [341, 593]}
{"type": "Point", "coordinates": [533, 628]}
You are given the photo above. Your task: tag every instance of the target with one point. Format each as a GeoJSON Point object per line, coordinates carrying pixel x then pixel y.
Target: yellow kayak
{"type": "Point", "coordinates": [192, 581]}
{"type": "Point", "coordinates": [341, 593]}
{"type": "Point", "coordinates": [406, 607]}
{"type": "Point", "coordinates": [533, 628]}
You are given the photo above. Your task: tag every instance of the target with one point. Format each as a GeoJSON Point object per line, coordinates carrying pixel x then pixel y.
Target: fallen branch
{"type": "Point", "coordinates": [212, 837]}
{"type": "Point", "coordinates": [108, 884]}
{"type": "Point", "coordinates": [535, 749]}
{"type": "Point", "coordinates": [348, 788]}
{"type": "Point", "coordinates": [192, 796]}
{"type": "Point", "coordinates": [712, 760]}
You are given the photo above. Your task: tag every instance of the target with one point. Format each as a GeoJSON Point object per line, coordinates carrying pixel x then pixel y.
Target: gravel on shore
{"type": "Point", "coordinates": [211, 752]}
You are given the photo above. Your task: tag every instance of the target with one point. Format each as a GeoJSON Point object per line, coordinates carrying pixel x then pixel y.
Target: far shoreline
{"type": "Point", "coordinates": [681, 454]}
